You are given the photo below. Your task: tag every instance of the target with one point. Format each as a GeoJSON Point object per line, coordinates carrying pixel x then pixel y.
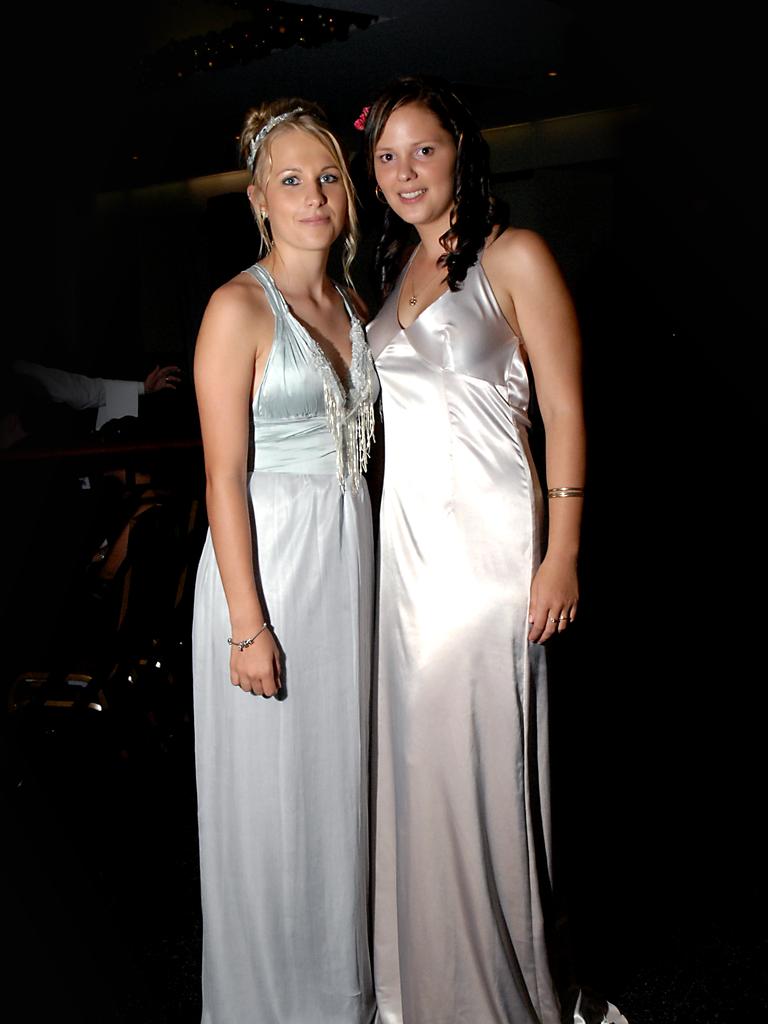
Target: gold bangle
{"type": "Point", "coordinates": [565, 492]}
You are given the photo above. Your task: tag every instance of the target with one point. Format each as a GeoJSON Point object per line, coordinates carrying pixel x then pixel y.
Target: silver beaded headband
{"type": "Point", "coordinates": [262, 133]}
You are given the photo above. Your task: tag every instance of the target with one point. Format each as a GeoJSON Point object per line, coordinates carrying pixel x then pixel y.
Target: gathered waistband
{"type": "Point", "coordinates": [302, 445]}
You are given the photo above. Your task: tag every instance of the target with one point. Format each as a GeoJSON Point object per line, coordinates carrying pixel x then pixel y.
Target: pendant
{"type": "Point", "coordinates": [412, 301]}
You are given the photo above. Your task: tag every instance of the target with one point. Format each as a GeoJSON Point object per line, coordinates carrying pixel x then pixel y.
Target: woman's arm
{"type": "Point", "coordinates": [232, 346]}
{"type": "Point", "coordinates": [535, 297]}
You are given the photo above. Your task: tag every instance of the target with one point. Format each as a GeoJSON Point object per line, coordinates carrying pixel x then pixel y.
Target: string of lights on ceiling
{"type": "Point", "coordinates": [273, 26]}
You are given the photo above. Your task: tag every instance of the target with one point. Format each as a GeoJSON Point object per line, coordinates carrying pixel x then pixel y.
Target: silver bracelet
{"type": "Point", "coordinates": [565, 492]}
{"type": "Point", "coordinates": [242, 644]}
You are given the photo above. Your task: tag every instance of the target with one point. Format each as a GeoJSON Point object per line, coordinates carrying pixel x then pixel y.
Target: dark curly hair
{"type": "Point", "coordinates": [475, 211]}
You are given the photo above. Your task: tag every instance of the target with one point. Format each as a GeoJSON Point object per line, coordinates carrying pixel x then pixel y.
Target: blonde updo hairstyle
{"type": "Point", "coordinates": [311, 120]}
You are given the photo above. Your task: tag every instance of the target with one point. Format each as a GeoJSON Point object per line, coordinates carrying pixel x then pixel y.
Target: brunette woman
{"type": "Point", "coordinates": [466, 602]}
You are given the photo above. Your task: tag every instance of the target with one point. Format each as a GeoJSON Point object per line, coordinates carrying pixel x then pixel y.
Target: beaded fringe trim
{"type": "Point", "coordinates": [351, 417]}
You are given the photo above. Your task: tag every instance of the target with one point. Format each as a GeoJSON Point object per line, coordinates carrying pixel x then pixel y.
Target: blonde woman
{"type": "Point", "coordinates": [283, 605]}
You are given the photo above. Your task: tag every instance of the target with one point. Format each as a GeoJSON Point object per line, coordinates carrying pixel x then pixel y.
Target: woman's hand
{"type": "Point", "coordinates": [554, 598]}
{"type": "Point", "coordinates": [257, 668]}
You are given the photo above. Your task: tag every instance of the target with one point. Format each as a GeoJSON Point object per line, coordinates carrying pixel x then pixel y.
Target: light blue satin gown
{"type": "Point", "coordinates": [462, 784]}
{"type": "Point", "coordinates": [282, 783]}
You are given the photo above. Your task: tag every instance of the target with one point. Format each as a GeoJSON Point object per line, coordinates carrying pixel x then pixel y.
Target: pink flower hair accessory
{"type": "Point", "coordinates": [360, 122]}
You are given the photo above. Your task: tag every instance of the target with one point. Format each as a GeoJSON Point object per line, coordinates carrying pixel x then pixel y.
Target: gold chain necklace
{"type": "Point", "coordinates": [413, 300]}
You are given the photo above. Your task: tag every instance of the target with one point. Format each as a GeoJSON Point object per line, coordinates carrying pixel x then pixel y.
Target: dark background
{"type": "Point", "coordinates": [657, 731]}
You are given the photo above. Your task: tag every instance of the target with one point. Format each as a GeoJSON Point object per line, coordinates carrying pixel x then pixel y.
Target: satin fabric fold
{"type": "Point", "coordinates": [294, 445]}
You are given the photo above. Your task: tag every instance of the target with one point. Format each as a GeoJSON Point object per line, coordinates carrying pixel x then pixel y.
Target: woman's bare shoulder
{"type": "Point", "coordinates": [241, 295]}
{"type": "Point", "coordinates": [240, 301]}
{"type": "Point", "coordinates": [516, 247]}
{"type": "Point", "coordinates": [238, 314]}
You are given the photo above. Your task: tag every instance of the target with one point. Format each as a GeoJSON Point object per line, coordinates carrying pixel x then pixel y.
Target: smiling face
{"type": "Point", "coordinates": [301, 191]}
{"type": "Point", "coordinates": [415, 163]}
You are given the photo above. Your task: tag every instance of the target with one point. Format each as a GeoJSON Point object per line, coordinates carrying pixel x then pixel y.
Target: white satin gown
{"type": "Point", "coordinates": [282, 783]}
{"type": "Point", "coordinates": [462, 849]}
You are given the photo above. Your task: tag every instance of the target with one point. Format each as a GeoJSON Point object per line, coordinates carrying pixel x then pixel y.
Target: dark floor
{"type": "Point", "coordinates": [103, 911]}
